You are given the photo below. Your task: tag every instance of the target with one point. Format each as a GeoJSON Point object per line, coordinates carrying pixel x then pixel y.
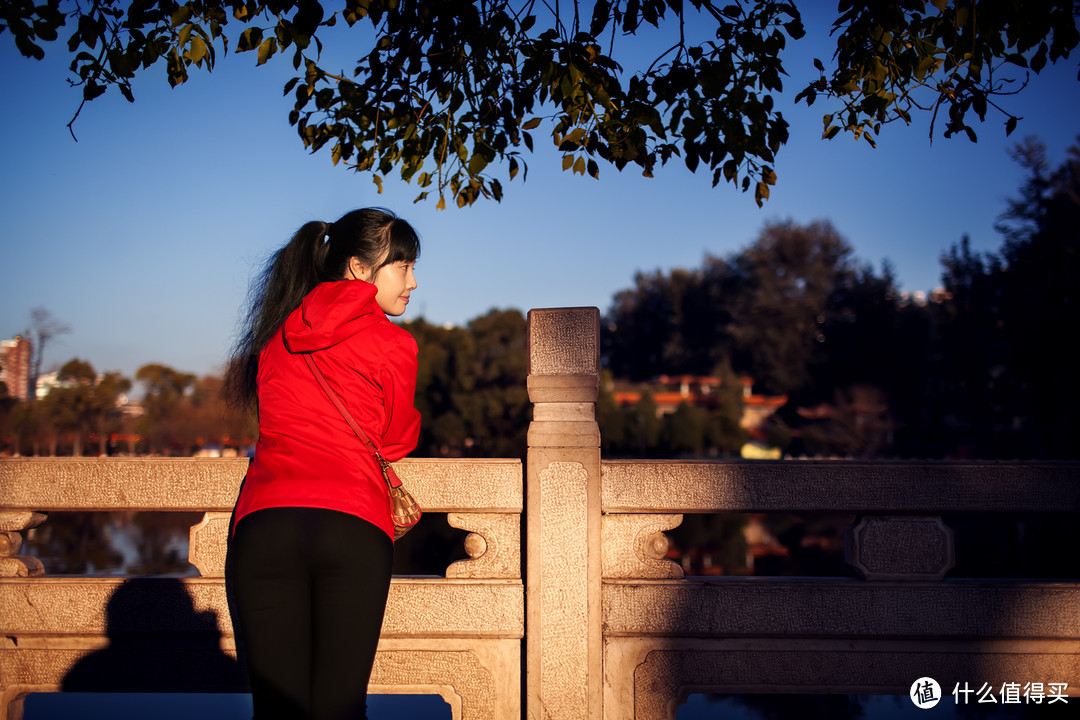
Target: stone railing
{"type": "Point", "coordinates": [458, 636]}
{"type": "Point", "coordinates": [613, 629]}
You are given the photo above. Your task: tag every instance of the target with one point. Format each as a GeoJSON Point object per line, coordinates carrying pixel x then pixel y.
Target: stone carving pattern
{"type": "Point", "coordinates": [207, 544]}
{"type": "Point", "coordinates": [563, 342]}
{"type": "Point", "coordinates": [564, 589]}
{"type": "Point", "coordinates": [494, 545]}
{"type": "Point", "coordinates": [473, 683]}
{"type": "Point", "coordinates": [634, 546]}
{"type": "Point", "coordinates": [893, 548]}
{"type": "Point", "coordinates": [12, 525]}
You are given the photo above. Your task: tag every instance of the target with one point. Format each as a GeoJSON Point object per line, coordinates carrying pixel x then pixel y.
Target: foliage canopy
{"type": "Point", "coordinates": [445, 92]}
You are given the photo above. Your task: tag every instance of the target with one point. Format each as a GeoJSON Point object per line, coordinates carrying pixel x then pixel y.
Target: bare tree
{"type": "Point", "coordinates": [45, 328]}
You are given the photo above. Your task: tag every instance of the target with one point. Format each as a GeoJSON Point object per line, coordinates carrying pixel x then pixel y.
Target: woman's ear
{"type": "Point", "coordinates": [356, 270]}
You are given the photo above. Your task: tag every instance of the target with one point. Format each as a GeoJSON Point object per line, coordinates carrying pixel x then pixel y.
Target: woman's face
{"type": "Point", "coordinates": [394, 282]}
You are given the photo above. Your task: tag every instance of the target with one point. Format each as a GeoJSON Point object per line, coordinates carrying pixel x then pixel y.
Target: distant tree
{"type": "Point", "coordinates": [212, 420]}
{"type": "Point", "coordinates": [1009, 380]}
{"type": "Point", "coordinates": [497, 410]}
{"type": "Point", "coordinates": [471, 386]}
{"type": "Point", "coordinates": [609, 417]}
{"type": "Point", "coordinates": [683, 431]}
{"type": "Point", "coordinates": [438, 95]}
{"type": "Point", "coordinates": [668, 323]}
{"type": "Point", "coordinates": [44, 328]}
{"type": "Point", "coordinates": [107, 394]}
{"type": "Point", "coordinates": [724, 431]}
{"type": "Point", "coordinates": [8, 438]}
{"type": "Point", "coordinates": [784, 283]}
{"type": "Point", "coordinates": [760, 310]}
{"type": "Point", "coordinates": [69, 406]}
{"type": "Point", "coordinates": [165, 389]}
{"type": "Point", "coordinates": [643, 427]}
{"type": "Point", "coordinates": [1041, 298]}
{"type": "Point", "coordinates": [974, 403]}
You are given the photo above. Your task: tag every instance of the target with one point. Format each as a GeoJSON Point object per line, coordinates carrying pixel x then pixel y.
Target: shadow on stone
{"type": "Point", "coordinates": [158, 642]}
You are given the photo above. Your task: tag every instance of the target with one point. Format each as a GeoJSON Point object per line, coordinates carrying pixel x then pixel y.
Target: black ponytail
{"type": "Point", "coordinates": [318, 252]}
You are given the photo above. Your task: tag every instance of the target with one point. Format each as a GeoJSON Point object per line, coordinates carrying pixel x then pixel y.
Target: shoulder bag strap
{"type": "Point", "coordinates": [349, 418]}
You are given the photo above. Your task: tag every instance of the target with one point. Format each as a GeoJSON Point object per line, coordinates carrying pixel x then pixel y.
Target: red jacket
{"type": "Point", "coordinates": [307, 456]}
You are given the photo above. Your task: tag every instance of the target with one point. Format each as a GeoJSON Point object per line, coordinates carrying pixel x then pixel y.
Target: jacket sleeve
{"type": "Point", "coordinates": [401, 431]}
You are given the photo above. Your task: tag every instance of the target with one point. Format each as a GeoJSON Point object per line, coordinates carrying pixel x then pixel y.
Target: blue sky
{"type": "Point", "coordinates": [142, 236]}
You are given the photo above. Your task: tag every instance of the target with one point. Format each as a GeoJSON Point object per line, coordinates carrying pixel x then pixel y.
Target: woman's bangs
{"type": "Point", "coordinates": [404, 243]}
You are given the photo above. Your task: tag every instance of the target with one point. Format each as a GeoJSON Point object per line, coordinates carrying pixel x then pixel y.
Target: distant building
{"type": "Point", "coordinates": [46, 382]}
{"type": "Point", "coordinates": [15, 355]}
{"type": "Point", "coordinates": [668, 392]}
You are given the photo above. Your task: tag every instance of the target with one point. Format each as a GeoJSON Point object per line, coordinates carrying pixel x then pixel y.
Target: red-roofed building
{"type": "Point", "coordinates": [669, 391]}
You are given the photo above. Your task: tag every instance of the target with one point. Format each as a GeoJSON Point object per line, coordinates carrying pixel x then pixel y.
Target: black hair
{"type": "Point", "coordinates": [318, 252]}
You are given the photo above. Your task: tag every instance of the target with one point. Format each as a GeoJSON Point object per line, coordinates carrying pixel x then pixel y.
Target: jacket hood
{"type": "Point", "coordinates": [330, 313]}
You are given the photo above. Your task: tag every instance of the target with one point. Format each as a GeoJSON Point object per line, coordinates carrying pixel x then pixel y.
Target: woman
{"type": "Point", "coordinates": [312, 544]}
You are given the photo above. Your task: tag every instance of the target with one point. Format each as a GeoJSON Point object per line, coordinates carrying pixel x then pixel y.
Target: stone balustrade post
{"type": "Point", "coordinates": [563, 523]}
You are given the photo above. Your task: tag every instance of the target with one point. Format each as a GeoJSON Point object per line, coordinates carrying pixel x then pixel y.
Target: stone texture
{"type": "Point", "coordinates": [564, 341]}
{"type": "Point", "coordinates": [900, 548]}
{"type": "Point", "coordinates": [782, 607]}
{"type": "Point", "coordinates": [96, 606]}
{"type": "Point", "coordinates": [208, 543]}
{"type": "Point", "coordinates": [475, 690]}
{"type": "Point", "coordinates": [634, 546]}
{"type": "Point", "coordinates": [927, 488]}
{"type": "Point", "coordinates": [564, 600]}
{"type": "Point", "coordinates": [667, 675]}
{"type": "Point", "coordinates": [12, 525]}
{"type": "Point", "coordinates": [464, 485]}
{"type": "Point", "coordinates": [211, 484]}
{"type": "Point", "coordinates": [563, 389]}
{"type": "Point", "coordinates": [494, 546]}
{"type": "Point", "coordinates": [120, 483]}
{"type": "Point", "coordinates": [20, 520]}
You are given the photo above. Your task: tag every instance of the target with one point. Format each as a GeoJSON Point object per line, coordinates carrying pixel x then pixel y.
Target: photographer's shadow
{"type": "Point", "coordinates": [158, 642]}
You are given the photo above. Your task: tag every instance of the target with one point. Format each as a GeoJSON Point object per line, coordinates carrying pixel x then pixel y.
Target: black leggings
{"type": "Point", "coordinates": [309, 590]}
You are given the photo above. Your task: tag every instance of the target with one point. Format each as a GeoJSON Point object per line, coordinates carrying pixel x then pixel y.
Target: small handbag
{"type": "Point", "coordinates": [404, 509]}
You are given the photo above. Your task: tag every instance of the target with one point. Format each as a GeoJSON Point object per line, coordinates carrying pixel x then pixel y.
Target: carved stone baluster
{"type": "Point", "coordinates": [207, 543]}
{"type": "Point", "coordinates": [635, 547]}
{"type": "Point", "coordinates": [13, 523]}
{"type": "Point", "coordinates": [493, 545]}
